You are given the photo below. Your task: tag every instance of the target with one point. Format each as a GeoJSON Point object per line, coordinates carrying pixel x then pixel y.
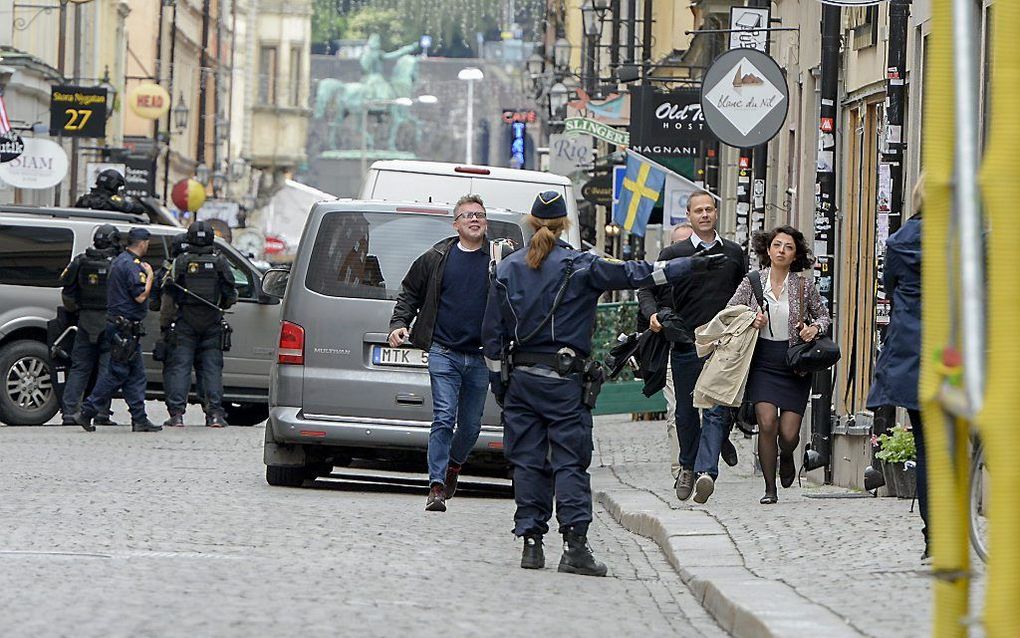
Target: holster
{"type": "Point", "coordinates": [591, 383]}
{"type": "Point", "coordinates": [225, 333]}
{"type": "Point", "coordinates": [125, 338]}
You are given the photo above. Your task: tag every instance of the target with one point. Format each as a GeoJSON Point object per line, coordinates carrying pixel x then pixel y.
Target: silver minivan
{"type": "Point", "coordinates": [337, 390]}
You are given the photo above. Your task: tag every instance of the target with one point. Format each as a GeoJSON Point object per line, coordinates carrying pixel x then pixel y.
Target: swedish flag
{"type": "Point", "coordinates": [641, 187]}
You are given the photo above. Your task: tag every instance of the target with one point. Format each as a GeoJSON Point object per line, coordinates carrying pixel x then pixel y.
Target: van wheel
{"type": "Point", "coordinates": [286, 476]}
{"type": "Point", "coordinates": [27, 395]}
{"type": "Point", "coordinates": [246, 413]}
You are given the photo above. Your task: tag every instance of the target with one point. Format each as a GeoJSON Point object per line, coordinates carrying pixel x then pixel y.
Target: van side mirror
{"type": "Point", "coordinates": [274, 283]}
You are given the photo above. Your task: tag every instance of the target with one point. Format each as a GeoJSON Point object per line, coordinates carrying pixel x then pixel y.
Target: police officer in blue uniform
{"type": "Point", "coordinates": [84, 284]}
{"type": "Point", "coordinates": [202, 287]}
{"type": "Point", "coordinates": [537, 334]}
{"type": "Point", "coordinates": [128, 290]}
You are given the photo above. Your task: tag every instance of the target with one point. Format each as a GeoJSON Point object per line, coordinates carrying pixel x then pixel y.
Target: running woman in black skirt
{"type": "Point", "coordinates": [793, 313]}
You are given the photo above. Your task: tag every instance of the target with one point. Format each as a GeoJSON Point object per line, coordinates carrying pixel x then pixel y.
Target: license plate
{"type": "Point", "coordinates": [409, 357]}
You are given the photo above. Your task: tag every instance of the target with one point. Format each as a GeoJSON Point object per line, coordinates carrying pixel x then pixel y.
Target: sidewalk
{"type": "Point", "coordinates": [803, 567]}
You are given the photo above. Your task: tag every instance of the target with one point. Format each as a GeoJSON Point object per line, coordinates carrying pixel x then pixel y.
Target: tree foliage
{"type": "Point", "coordinates": [328, 21]}
{"type": "Point", "coordinates": [392, 30]}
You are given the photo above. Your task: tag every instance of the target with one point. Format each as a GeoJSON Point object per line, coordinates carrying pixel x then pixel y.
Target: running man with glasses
{"type": "Point", "coordinates": [446, 289]}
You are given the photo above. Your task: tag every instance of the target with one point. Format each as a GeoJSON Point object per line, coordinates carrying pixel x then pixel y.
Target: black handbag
{"type": "Point", "coordinates": [812, 356]}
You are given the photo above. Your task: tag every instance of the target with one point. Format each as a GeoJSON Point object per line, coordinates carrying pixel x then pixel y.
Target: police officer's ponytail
{"type": "Point", "coordinates": [547, 231]}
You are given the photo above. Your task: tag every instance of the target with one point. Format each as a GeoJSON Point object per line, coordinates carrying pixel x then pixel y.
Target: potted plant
{"type": "Point", "coordinates": [898, 456]}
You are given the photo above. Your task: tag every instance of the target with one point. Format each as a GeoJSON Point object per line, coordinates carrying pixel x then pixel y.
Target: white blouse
{"type": "Point", "coordinates": [779, 310]}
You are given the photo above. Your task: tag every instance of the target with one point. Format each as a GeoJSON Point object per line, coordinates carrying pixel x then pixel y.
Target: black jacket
{"type": "Point", "coordinates": [700, 297]}
{"type": "Point", "coordinates": [419, 293]}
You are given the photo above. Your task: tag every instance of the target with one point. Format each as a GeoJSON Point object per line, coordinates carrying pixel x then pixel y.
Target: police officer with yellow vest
{"type": "Point", "coordinates": [203, 287]}
{"type": "Point", "coordinates": [127, 296]}
{"type": "Point", "coordinates": [84, 283]}
{"type": "Point", "coordinates": [537, 332]}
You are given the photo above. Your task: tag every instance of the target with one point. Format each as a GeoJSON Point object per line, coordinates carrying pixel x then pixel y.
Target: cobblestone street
{"type": "Point", "coordinates": [177, 534]}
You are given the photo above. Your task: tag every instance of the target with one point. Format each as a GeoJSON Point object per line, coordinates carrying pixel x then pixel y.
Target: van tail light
{"type": "Point", "coordinates": [292, 344]}
{"type": "Point", "coordinates": [472, 170]}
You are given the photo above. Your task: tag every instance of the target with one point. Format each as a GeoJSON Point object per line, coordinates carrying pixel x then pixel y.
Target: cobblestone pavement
{"type": "Point", "coordinates": [177, 534]}
{"type": "Point", "coordinates": [858, 557]}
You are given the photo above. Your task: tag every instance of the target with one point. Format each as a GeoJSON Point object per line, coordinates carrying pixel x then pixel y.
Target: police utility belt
{"type": "Point", "coordinates": [126, 336]}
{"type": "Point", "coordinates": [563, 363]}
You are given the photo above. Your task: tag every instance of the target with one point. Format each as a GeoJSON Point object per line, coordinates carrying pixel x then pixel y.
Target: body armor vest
{"type": "Point", "coordinates": [93, 276]}
{"type": "Point", "coordinates": [200, 276]}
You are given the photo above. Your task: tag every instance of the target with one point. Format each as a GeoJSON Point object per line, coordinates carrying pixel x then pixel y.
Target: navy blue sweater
{"type": "Point", "coordinates": [462, 300]}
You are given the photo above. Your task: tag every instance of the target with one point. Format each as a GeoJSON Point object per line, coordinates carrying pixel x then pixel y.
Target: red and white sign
{"type": "Point", "coordinates": [274, 245]}
{"type": "Point", "coordinates": [827, 125]}
{"type": "Point", "coordinates": [745, 162]}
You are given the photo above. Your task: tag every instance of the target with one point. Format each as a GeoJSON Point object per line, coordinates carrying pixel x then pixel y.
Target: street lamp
{"type": "Point", "coordinates": [181, 114]}
{"type": "Point", "coordinates": [561, 53]}
{"type": "Point", "coordinates": [559, 95]}
{"type": "Point", "coordinates": [535, 64]}
{"type": "Point", "coordinates": [470, 75]}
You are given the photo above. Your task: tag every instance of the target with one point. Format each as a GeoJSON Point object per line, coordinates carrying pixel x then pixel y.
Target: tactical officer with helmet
{"type": "Point", "coordinates": [106, 195]}
{"type": "Point", "coordinates": [127, 297]}
{"type": "Point", "coordinates": [202, 287]}
{"type": "Point", "coordinates": [84, 282]}
{"type": "Point", "coordinates": [537, 332]}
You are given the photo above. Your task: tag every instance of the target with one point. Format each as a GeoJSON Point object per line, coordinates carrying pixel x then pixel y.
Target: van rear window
{"type": "Point", "coordinates": [366, 255]}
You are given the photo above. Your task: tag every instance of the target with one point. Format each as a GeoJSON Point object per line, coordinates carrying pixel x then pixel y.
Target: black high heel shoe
{"type": "Point", "coordinates": [787, 470]}
{"type": "Point", "coordinates": [769, 499]}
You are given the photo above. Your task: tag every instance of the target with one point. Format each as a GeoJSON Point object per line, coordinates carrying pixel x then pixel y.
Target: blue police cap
{"type": "Point", "coordinates": [138, 234]}
{"type": "Point", "coordinates": [549, 205]}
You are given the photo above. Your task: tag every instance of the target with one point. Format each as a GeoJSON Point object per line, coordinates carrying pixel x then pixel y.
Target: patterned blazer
{"type": "Point", "coordinates": [799, 285]}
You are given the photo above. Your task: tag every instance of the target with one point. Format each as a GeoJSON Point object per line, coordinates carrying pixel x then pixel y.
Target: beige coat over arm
{"type": "Point", "coordinates": [729, 338]}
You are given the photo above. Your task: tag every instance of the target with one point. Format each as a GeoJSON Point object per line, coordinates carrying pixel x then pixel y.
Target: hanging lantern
{"type": "Point", "coordinates": [188, 194]}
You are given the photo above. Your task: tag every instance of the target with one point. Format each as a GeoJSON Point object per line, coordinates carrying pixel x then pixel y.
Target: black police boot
{"type": "Point", "coordinates": [69, 419]}
{"type": "Point", "coordinates": [103, 420]}
{"type": "Point", "coordinates": [533, 557]}
{"type": "Point", "coordinates": [577, 557]}
{"type": "Point", "coordinates": [145, 426]}
{"type": "Point", "coordinates": [84, 419]}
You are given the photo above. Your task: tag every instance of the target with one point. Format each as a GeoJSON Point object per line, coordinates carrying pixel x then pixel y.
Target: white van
{"type": "Point", "coordinates": [438, 182]}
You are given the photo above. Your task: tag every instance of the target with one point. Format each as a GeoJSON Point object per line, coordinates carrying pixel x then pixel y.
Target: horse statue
{"type": "Point", "coordinates": [370, 95]}
{"type": "Point", "coordinates": [403, 81]}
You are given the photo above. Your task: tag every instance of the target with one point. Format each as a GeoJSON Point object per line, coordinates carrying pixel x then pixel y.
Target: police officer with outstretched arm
{"type": "Point", "coordinates": [202, 287]}
{"type": "Point", "coordinates": [85, 282]}
{"type": "Point", "coordinates": [127, 296]}
{"type": "Point", "coordinates": [537, 331]}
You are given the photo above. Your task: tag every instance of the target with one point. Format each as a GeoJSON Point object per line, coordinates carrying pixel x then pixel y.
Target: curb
{"type": "Point", "coordinates": [702, 552]}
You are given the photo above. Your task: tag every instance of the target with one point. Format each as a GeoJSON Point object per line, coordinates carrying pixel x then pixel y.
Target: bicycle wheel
{"type": "Point", "coordinates": [978, 496]}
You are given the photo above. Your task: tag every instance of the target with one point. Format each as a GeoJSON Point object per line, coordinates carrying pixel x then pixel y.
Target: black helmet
{"type": "Point", "coordinates": [179, 245]}
{"type": "Point", "coordinates": [110, 180]}
{"type": "Point", "coordinates": [201, 234]}
{"type": "Point", "coordinates": [106, 236]}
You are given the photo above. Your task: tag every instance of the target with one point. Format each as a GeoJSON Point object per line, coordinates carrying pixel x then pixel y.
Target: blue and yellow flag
{"type": "Point", "coordinates": [641, 187]}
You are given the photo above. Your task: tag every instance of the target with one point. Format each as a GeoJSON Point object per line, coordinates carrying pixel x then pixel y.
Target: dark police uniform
{"type": "Point", "coordinates": [200, 283]}
{"type": "Point", "coordinates": [124, 316]}
{"type": "Point", "coordinates": [105, 195]}
{"type": "Point", "coordinates": [547, 424]}
{"type": "Point", "coordinates": [84, 292]}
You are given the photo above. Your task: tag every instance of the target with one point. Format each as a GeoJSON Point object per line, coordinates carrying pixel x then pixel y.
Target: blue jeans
{"type": "Point", "coordinates": [85, 358]}
{"type": "Point", "coordinates": [700, 436]}
{"type": "Point", "coordinates": [460, 382]}
{"type": "Point", "coordinates": [199, 349]}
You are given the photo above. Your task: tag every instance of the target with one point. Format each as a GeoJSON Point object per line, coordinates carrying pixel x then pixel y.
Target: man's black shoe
{"type": "Point", "coordinates": [215, 421]}
{"type": "Point", "coordinates": [728, 453]}
{"type": "Point", "coordinates": [85, 421]}
{"type": "Point", "coordinates": [533, 557]}
{"type": "Point", "coordinates": [452, 474]}
{"type": "Point", "coordinates": [436, 501]}
{"type": "Point", "coordinates": [145, 426]}
{"type": "Point", "coordinates": [175, 421]}
{"type": "Point", "coordinates": [69, 419]}
{"type": "Point", "coordinates": [577, 557]}
{"type": "Point", "coordinates": [103, 420]}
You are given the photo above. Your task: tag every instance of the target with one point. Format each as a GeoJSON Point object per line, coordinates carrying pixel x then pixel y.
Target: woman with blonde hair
{"type": "Point", "coordinates": [537, 332]}
{"type": "Point", "coordinates": [790, 312]}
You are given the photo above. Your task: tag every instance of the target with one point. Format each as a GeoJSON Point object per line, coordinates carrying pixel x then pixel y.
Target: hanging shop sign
{"type": "Point", "coordinates": [587, 126]}
{"type": "Point", "coordinates": [510, 116]}
{"type": "Point", "coordinates": [43, 164]}
{"type": "Point", "coordinates": [188, 195]}
{"type": "Point", "coordinates": [78, 111]}
{"type": "Point", "coordinates": [749, 28]}
{"type": "Point", "coordinates": [139, 163]}
{"type": "Point", "coordinates": [599, 190]}
{"type": "Point", "coordinates": [11, 147]}
{"type": "Point", "coordinates": [614, 110]}
{"type": "Point", "coordinates": [667, 124]}
{"type": "Point", "coordinates": [745, 98]}
{"type": "Point", "coordinates": [149, 101]}
{"type": "Point", "coordinates": [517, 140]}
{"type": "Point", "coordinates": [569, 153]}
